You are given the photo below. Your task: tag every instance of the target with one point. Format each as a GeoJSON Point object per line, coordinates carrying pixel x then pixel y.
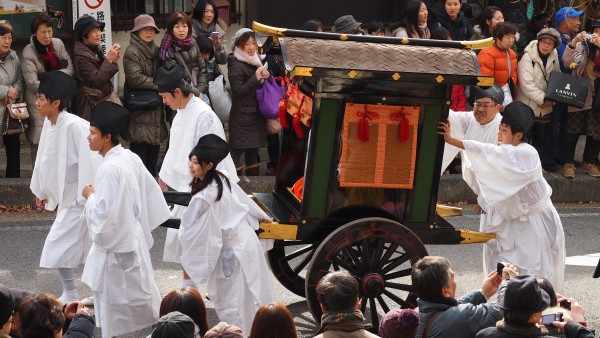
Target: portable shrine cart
{"type": "Point", "coordinates": [357, 182]}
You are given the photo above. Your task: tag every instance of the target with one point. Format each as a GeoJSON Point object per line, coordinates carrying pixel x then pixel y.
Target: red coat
{"type": "Point", "coordinates": [459, 99]}
{"type": "Point", "coordinates": [492, 61]}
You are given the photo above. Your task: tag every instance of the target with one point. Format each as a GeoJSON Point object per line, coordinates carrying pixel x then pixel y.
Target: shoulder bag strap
{"type": "Point", "coordinates": [429, 323]}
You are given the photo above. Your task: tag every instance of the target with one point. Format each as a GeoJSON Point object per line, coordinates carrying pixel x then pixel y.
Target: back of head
{"type": "Point", "coordinates": [518, 116]}
{"type": "Point", "coordinates": [313, 26]}
{"type": "Point", "coordinates": [7, 304]}
{"type": "Point", "coordinates": [440, 33]}
{"type": "Point", "coordinates": [429, 276]}
{"type": "Point", "coordinates": [399, 323]}
{"type": "Point", "coordinates": [273, 320]}
{"type": "Point", "coordinates": [547, 286]}
{"type": "Point", "coordinates": [522, 297]}
{"type": "Point", "coordinates": [41, 316]}
{"type": "Point", "coordinates": [205, 45]}
{"type": "Point", "coordinates": [175, 325]}
{"type": "Point", "coordinates": [189, 302]}
{"type": "Point", "coordinates": [224, 330]}
{"type": "Point", "coordinates": [338, 291]}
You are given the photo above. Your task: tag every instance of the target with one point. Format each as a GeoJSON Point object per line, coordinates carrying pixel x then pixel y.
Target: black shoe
{"type": "Point", "coordinates": [550, 168]}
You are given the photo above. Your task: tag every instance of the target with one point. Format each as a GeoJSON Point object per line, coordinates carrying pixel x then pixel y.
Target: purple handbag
{"type": "Point", "coordinates": [268, 98]}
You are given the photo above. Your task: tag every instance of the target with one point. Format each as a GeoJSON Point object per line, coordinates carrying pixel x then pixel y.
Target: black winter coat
{"type": "Point", "coordinates": [460, 29]}
{"type": "Point", "coordinates": [247, 127]}
{"type": "Point", "coordinates": [82, 326]}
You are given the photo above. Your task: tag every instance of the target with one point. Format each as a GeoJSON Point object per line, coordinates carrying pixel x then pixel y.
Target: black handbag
{"type": "Point", "coordinates": [568, 89]}
{"type": "Point", "coordinates": [143, 99]}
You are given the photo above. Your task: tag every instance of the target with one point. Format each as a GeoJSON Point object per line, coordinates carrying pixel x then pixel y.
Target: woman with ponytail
{"type": "Point", "coordinates": [219, 245]}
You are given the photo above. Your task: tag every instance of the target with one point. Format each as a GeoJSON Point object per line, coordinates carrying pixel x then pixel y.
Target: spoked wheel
{"type": "Point", "coordinates": [379, 253]}
{"type": "Point", "coordinates": [287, 260]}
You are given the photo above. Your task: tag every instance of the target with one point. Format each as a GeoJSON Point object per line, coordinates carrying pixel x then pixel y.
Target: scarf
{"type": "Point", "coordinates": [169, 39]}
{"type": "Point", "coordinates": [96, 50]}
{"type": "Point", "coordinates": [46, 54]}
{"type": "Point", "coordinates": [200, 30]}
{"type": "Point", "coordinates": [342, 321]}
{"type": "Point", "coordinates": [424, 31]}
{"type": "Point", "coordinates": [242, 56]}
{"type": "Point", "coordinates": [148, 50]}
{"type": "Point", "coordinates": [3, 57]}
{"type": "Point", "coordinates": [527, 330]}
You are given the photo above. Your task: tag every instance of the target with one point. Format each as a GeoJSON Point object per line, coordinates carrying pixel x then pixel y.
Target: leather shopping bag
{"type": "Point", "coordinates": [567, 88]}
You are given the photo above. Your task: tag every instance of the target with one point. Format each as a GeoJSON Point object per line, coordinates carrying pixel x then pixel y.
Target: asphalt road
{"type": "Point", "coordinates": [22, 237]}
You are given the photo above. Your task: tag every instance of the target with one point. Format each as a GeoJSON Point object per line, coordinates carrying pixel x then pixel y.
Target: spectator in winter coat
{"type": "Point", "coordinates": [536, 65]}
{"type": "Point", "coordinates": [494, 60]}
{"type": "Point", "coordinates": [455, 21]}
{"type": "Point", "coordinates": [414, 23]}
{"type": "Point", "coordinates": [515, 12]}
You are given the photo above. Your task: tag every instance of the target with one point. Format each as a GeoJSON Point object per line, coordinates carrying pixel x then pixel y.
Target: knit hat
{"type": "Point", "coordinates": [399, 323]}
{"type": "Point", "coordinates": [549, 33]}
{"type": "Point", "coordinates": [110, 117]}
{"type": "Point", "coordinates": [58, 85]}
{"type": "Point", "coordinates": [518, 116]}
{"type": "Point", "coordinates": [564, 13]}
{"type": "Point", "coordinates": [211, 148]}
{"type": "Point", "coordinates": [175, 325]}
{"type": "Point", "coordinates": [238, 35]}
{"type": "Point", "coordinates": [85, 24]}
{"type": "Point", "coordinates": [224, 330]}
{"type": "Point", "coordinates": [345, 24]}
{"type": "Point", "coordinates": [7, 304]}
{"type": "Point", "coordinates": [143, 21]}
{"type": "Point", "coordinates": [523, 294]}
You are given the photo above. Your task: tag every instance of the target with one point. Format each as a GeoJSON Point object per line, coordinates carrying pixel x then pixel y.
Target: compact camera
{"type": "Point", "coordinates": [552, 317]}
{"type": "Point", "coordinates": [588, 37]}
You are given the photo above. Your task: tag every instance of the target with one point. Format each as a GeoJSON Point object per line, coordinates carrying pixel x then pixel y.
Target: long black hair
{"type": "Point", "coordinates": [212, 174]}
{"type": "Point", "coordinates": [199, 8]}
{"type": "Point", "coordinates": [487, 14]}
{"type": "Point", "coordinates": [410, 21]}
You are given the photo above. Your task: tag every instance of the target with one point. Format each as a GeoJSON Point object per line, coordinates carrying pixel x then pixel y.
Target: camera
{"type": "Point", "coordinates": [588, 37]}
{"type": "Point", "coordinates": [565, 304]}
{"type": "Point", "coordinates": [499, 268]}
{"type": "Point", "coordinates": [552, 317]}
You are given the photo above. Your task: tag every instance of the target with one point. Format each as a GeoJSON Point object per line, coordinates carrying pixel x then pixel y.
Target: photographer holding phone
{"type": "Point", "coordinates": [205, 20]}
{"type": "Point", "coordinates": [522, 304]}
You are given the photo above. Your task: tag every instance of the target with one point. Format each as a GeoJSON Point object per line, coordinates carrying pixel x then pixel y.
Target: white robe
{"type": "Point", "coordinates": [189, 125]}
{"type": "Point", "coordinates": [126, 206]}
{"type": "Point", "coordinates": [219, 245]}
{"type": "Point", "coordinates": [465, 127]}
{"type": "Point", "coordinates": [516, 200]}
{"type": "Point", "coordinates": [64, 164]}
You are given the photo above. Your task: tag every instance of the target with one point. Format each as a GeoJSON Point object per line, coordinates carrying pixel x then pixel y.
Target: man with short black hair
{"type": "Point", "coordinates": [337, 293]}
{"type": "Point", "coordinates": [440, 314]}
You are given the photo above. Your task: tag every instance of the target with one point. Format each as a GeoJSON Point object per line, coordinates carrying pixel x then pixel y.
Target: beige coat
{"type": "Point", "coordinates": [10, 76]}
{"type": "Point", "coordinates": [33, 69]}
{"type": "Point", "coordinates": [533, 78]}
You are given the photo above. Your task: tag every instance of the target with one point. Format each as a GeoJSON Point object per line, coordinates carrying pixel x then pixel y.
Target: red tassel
{"type": "Point", "coordinates": [404, 130]}
{"type": "Point", "coordinates": [363, 130]}
{"type": "Point", "coordinates": [283, 105]}
{"type": "Point", "coordinates": [298, 127]}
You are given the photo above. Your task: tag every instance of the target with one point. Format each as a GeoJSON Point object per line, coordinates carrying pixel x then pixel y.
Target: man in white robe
{"type": "Point", "coordinates": [193, 120]}
{"type": "Point", "coordinates": [480, 125]}
{"type": "Point", "coordinates": [63, 165]}
{"type": "Point", "coordinates": [515, 199]}
{"type": "Point", "coordinates": [123, 206]}
{"type": "Point", "coordinates": [219, 243]}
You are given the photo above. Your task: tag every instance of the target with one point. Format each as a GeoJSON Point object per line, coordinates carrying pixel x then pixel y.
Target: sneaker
{"type": "Point", "coordinates": [68, 296]}
{"type": "Point", "coordinates": [569, 170]}
{"type": "Point", "coordinates": [88, 301]}
{"type": "Point", "coordinates": [591, 169]}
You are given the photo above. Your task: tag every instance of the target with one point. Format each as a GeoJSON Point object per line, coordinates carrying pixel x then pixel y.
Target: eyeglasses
{"type": "Point", "coordinates": [483, 105]}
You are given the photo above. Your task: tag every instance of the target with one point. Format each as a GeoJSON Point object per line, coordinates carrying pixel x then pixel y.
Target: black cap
{"type": "Point", "coordinates": [495, 92]}
{"type": "Point", "coordinates": [7, 304]}
{"type": "Point", "coordinates": [169, 79]}
{"type": "Point", "coordinates": [110, 118]}
{"type": "Point", "coordinates": [174, 325]}
{"type": "Point", "coordinates": [211, 148]}
{"type": "Point", "coordinates": [518, 116]}
{"type": "Point", "coordinates": [58, 85]}
{"type": "Point", "coordinates": [85, 24]}
{"type": "Point", "coordinates": [523, 294]}
{"type": "Point", "coordinates": [345, 24]}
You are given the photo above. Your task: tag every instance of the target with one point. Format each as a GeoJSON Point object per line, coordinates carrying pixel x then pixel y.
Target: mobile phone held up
{"type": "Point", "coordinates": [566, 304]}
{"type": "Point", "coordinates": [214, 35]}
{"type": "Point", "coordinates": [499, 268]}
{"type": "Point", "coordinates": [552, 317]}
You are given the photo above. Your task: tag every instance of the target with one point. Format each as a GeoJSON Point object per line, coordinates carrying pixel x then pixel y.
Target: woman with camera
{"type": "Point", "coordinates": [582, 56]}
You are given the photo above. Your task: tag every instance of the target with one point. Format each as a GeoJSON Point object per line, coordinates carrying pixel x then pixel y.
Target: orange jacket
{"type": "Point", "coordinates": [492, 62]}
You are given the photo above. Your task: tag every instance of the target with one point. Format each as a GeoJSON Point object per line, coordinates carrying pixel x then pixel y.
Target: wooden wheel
{"type": "Point", "coordinates": [379, 253]}
{"type": "Point", "coordinates": [287, 260]}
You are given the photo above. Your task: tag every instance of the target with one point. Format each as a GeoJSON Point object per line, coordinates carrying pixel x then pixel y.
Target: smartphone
{"type": "Point", "coordinates": [499, 268]}
{"type": "Point", "coordinates": [214, 35]}
{"type": "Point", "coordinates": [565, 304]}
{"type": "Point", "coordinates": [549, 318]}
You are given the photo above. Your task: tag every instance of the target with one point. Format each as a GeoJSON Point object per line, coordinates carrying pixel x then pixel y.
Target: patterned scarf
{"type": "Point", "coordinates": [342, 321]}
{"type": "Point", "coordinates": [170, 39]}
{"type": "Point", "coordinates": [46, 54]}
{"type": "Point", "coordinates": [424, 31]}
{"type": "Point", "coordinates": [242, 56]}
